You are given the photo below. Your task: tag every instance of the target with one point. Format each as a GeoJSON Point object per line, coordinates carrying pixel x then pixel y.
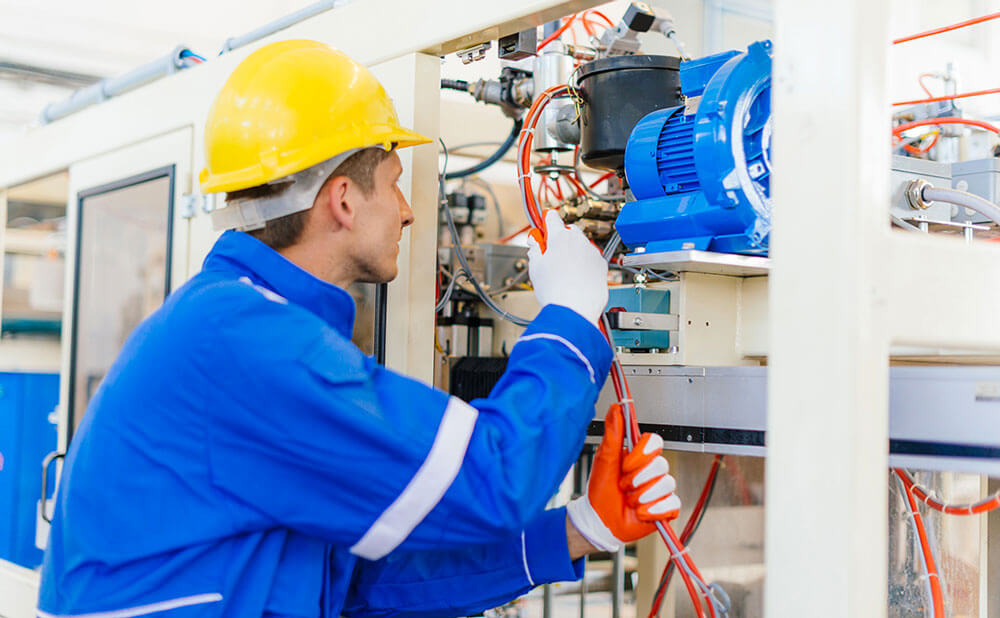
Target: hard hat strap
{"type": "Point", "coordinates": [252, 213]}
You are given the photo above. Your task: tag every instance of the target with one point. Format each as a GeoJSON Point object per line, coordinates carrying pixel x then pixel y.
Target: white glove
{"type": "Point", "coordinates": [571, 271]}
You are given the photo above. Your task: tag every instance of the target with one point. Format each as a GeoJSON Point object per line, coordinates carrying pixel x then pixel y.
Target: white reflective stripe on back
{"type": "Point", "coordinates": [565, 342]}
{"type": "Point", "coordinates": [426, 487]}
{"type": "Point", "coordinates": [524, 556]}
{"type": "Point", "coordinates": [268, 294]}
{"type": "Point", "coordinates": [142, 610]}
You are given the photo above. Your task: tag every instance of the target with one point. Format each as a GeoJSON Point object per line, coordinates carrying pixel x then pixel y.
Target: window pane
{"type": "Point", "coordinates": [123, 274]}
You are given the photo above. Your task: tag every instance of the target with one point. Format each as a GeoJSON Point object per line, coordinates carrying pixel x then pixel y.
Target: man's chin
{"type": "Point", "coordinates": [379, 277]}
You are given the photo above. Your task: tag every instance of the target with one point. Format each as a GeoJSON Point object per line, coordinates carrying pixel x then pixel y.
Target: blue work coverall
{"type": "Point", "coordinates": [243, 458]}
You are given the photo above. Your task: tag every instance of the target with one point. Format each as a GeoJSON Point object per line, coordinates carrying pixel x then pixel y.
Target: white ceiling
{"type": "Point", "coordinates": [108, 37]}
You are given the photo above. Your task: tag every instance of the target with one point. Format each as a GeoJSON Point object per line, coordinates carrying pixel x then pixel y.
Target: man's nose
{"type": "Point", "coordinates": [405, 212]}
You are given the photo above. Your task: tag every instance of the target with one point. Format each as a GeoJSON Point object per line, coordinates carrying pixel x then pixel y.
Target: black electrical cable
{"type": "Point", "coordinates": [455, 84]}
{"type": "Point", "coordinates": [493, 158]}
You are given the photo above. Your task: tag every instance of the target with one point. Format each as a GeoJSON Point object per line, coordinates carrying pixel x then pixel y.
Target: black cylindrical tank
{"type": "Point", "coordinates": [617, 92]}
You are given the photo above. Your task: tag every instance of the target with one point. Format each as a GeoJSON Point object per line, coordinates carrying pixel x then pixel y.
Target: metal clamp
{"type": "Point", "coordinates": [474, 53]}
{"type": "Point", "coordinates": [54, 455]}
{"type": "Point", "coordinates": [635, 320]}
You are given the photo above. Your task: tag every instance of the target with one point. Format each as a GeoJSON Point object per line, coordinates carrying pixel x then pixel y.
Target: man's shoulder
{"type": "Point", "coordinates": [232, 311]}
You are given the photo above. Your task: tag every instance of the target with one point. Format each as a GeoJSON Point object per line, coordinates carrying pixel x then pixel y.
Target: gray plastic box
{"type": "Point", "coordinates": [980, 177]}
{"type": "Point", "coordinates": [907, 169]}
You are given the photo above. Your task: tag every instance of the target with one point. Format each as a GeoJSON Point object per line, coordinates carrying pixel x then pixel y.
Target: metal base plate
{"type": "Point", "coordinates": [702, 262]}
{"type": "Point", "coordinates": [940, 418]}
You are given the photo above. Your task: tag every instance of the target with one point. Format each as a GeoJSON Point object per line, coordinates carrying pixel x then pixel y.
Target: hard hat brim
{"type": "Point", "coordinates": [246, 178]}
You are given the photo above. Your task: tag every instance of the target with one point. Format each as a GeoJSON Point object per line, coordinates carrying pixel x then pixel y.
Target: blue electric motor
{"type": "Point", "coordinates": [700, 172]}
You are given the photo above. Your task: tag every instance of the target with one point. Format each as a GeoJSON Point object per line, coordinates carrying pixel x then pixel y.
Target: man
{"type": "Point", "coordinates": [243, 458]}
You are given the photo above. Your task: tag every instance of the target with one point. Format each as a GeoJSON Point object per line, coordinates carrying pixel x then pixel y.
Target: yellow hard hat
{"type": "Point", "coordinates": [290, 105]}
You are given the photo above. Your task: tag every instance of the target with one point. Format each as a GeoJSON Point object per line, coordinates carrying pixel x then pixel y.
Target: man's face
{"type": "Point", "coordinates": [380, 220]}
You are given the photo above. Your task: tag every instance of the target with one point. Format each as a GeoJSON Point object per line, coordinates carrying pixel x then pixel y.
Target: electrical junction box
{"type": "Point", "coordinates": [495, 266]}
{"type": "Point", "coordinates": [907, 169]}
{"type": "Point", "coordinates": [980, 177]}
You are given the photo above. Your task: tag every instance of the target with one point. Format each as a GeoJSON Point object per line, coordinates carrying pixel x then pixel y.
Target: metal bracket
{"type": "Point", "coordinates": [635, 320]}
{"type": "Point", "coordinates": [477, 52]}
{"type": "Point", "coordinates": [189, 205]}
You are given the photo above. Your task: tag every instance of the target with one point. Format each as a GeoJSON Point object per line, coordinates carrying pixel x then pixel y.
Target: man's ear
{"type": "Point", "coordinates": [341, 195]}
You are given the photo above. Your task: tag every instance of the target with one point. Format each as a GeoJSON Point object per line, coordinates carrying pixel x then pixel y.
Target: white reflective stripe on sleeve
{"type": "Point", "coordinates": [524, 556]}
{"type": "Point", "coordinates": [565, 342]}
{"type": "Point", "coordinates": [142, 610]}
{"type": "Point", "coordinates": [426, 487]}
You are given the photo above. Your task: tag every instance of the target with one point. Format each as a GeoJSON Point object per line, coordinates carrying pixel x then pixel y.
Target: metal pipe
{"type": "Point", "coordinates": [114, 86]}
{"type": "Point", "coordinates": [280, 24]}
{"type": "Point", "coordinates": [963, 199]}
{"type": "Point", "coordinates": [550, 69]}
{"type": "Point", "coordinates": [162, 67]}
{"type": "Point", "coordinates": [618, 583]}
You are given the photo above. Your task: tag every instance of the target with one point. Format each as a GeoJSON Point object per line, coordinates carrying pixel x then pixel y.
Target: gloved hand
{"type": "Point", "coordinates": [570, 271]}
{"type": "Point", "coordinates": [626, 494]}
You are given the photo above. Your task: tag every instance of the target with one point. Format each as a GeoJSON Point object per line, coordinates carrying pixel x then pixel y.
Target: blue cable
{"type": "Point", "coordinates": [187, 53]}
{"type": "Point", "coordinates": [493, 158]}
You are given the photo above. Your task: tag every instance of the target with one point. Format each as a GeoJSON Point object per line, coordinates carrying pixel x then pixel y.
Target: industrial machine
{"type": "Point", "coordinates": [700, 171]}
{"type": "Point", "coordinates": [664, 160]}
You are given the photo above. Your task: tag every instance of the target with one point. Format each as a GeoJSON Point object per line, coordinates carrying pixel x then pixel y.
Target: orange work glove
{"type": "Point", "coordinates": [627, 493]}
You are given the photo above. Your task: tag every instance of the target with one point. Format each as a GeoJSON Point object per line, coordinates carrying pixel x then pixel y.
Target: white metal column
{"type": "Point", "coordinates": [827, 432]}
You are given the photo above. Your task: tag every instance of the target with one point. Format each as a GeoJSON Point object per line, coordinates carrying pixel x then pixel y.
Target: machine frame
{"type": "Point", "coordinates": [840, 294]}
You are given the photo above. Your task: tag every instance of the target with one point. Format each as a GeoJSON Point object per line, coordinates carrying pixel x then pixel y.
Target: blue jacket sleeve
{"type": "Point", "coordinates": [464, 581]}
{"type": "Point", "coordinates": [304, 431]}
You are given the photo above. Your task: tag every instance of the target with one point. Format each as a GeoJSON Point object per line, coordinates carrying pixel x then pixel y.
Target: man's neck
{"type": "Point", "coordinates": [319, 264]}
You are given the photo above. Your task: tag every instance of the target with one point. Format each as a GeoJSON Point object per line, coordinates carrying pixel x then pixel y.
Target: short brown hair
{"type": "Point", "coordinates": [285, 231]}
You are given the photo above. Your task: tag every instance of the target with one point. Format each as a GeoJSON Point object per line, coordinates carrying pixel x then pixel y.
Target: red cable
{"type": "Point", "coordinates": [961, 24]}
{"type": "Point", "coordinates": [923, 86]}
{"type": "Point", "coordinates": [577, 186]}
{"type": "Point", "coordinates": [976, 508]}
{"type": "Point", "coordinates": [937, 597]}
{"type": "Point", "coordinates": [526, 138]}
{"type": "Point", "coordinates": [689, 527]}
{"type": "Point", "coordinates": [976, 93]}
{"type": "Point", "coordinates": [610, 23]}
{"type": "Point", "coordinates": [922, 149]}
{"type": "Point", "coordinates": [702, 500]}
{"type": "Point", "coordinates": [555, 35]}
{"type": "Point", "coordinates": [622, 389]}
{"type": "Point", "coordinates": [601, 179]}
{"type": "Point", "coordinates": [906, 126]}
{"type": "Point", "coordinates": [511, 237]}
{"type": "Point", "coordinates": [624, 395]}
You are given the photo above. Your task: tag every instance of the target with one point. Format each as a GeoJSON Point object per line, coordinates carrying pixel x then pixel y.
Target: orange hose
{"type": "Point", "coordinates": [976, 93]}
{"type": "Point", "coordinates": [922, 149]}
{"type": "Point", "coordinates": [602, 179]}
{"type": "Point", "coordinates": [906, 126]}
{"type": "Point", "coordinates": [923, 86]}
{"type": "Point", "coordinates": [961, 24]}
{"type": "Point", "coordinates": [510, 237]}
{"type": "Point", "coordinates": [984, 506]}
{"type": "Point", "coordinates": [624, 395]}
{"type": "Point", "coordinates": [937, 597]}
{"type": "Point", "coordinates": [555, 35]}
{"type": "Point", "coordinates": [622, 390]}
{"type": "Point", "coordinates": [610, 23]}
